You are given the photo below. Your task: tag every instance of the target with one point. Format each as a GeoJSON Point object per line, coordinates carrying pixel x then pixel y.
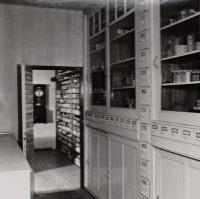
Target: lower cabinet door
{"type": "Point", "coordinates": [176, 176]}
{"type": "Point", "coordinates": [98, 166]}
{"type": "Point", "coordinates": [123, 168]}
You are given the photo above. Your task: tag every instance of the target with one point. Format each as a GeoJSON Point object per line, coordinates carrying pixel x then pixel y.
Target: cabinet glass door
{"type": "Point", "coordinates": [180, 55]}
{"type": "Point", "coordinates": [122, 63]}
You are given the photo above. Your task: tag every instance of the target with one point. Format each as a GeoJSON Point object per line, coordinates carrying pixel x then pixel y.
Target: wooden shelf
{"type": "Point", "coordinates": [97, 34]}
{"type": "Point", "coordinates": [181, 21]}
{"type": "Point", "coordinates": [98, 71]}
{"type": "Point", "coordinates": [123, 35]}
{"type": "Point", "coordinates": [124, 88]}
{"type": "Point", "coordinates": [100, 92]}
{"type": "Point", "coordinates": [186, 56]}
{"type": "Point", "coordinates": [180, 84]}
{"type": "Point", "coordinates": [97, 51]}
{"type": "Point", "coordinates": [123, 61]}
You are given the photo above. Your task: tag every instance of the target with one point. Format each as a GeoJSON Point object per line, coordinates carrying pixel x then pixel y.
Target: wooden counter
{"type": "Point", "coordinates": [14, 170]}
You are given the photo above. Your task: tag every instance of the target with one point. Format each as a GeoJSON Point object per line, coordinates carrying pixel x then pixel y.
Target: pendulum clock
{"type": "Point", "coordinates": [40, 103]}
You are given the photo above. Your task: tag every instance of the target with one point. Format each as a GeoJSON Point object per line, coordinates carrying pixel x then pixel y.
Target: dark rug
{"type": "Point", "coordinates": [74, 194]}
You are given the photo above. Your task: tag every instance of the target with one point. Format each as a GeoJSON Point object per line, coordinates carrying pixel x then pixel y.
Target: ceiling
{"type": "Point", "coordinates": [62, 4]}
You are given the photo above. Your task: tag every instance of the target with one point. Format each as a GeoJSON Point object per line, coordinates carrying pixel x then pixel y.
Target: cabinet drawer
{"type": "Point", "coordinates": [143, 40]}
{"type": "Point", "coordinates": [102, 118]}
{"type": "Point", "coordinates": [175, 133]}
{"type": "Point", "coordinates": [134, 125]}
{"type": "Point", "coordinates": [122, 123]}
{"type": "Point", "coordinates": [164, 131]}
{"type": "Point", "coordinates": [144, 114]}
{"type": "Point", "coordinates": [145, 169]}
{"type": "Point", "coordinates": [112, 122]}
{"type": "Point", "coordinates": [144, 187]}
{"type": "Point", "coordinates": [187, 135]}
{"type": "Point", "coordinates": [95, 117]}
{"type": "Point", "coordinates": [144, 133]}
{"type": "Point", "coordinates": [144, 77]}
{"type": "Point", "coordinates": [142, 6]}
{"type": "Point", "coordinates": [128, 124]}
{"type": "Point", "coordinates": [143, 21]}
{"type": "Point", "coordinates": [155, 128]}
{"type": "Point", "coordinates": [144, 59]}
{"type": "Point", "coordinates": [116, 121]}
{"type": "Point", "coordinates": [107, 119]}
{"type": "Point", "coordinates": [196, 138]}
{"type": "Point", "coordinates": [98, 118]}
{"type": "Point", "coordinates": [144, 96]}
{"type": "Point", "coordinates": [144, 150]}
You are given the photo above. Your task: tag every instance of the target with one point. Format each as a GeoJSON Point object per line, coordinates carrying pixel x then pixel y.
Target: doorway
{"type": "Point", "coordinates": [54, 170]}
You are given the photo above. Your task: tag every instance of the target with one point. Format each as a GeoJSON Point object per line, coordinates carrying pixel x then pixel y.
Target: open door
{"type": "Point", "coordinates": [26, 116]}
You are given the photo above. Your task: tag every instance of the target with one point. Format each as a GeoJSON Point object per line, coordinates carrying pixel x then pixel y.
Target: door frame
{"type": "Point", "coordinates": [38, 67]}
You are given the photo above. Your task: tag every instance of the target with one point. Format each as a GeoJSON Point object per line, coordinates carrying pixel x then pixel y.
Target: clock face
{"type": "Point", "coordinates": [39, 93]}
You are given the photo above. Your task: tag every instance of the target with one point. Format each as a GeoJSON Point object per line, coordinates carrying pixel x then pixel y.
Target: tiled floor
{"type": "Point", "coordinates": [54, 172]}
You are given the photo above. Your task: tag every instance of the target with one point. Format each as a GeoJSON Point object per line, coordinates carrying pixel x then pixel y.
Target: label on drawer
{"type": "Point", "coordinates": [144, 59]}
{"type": "Point", "coordinates": [144, 77]}
{"type": "Point", "coordinates": [144, 96]}
{"type": "Point", "coordinates": [186, 132]}
{"type": "Point", "coordinates": [143, 22]}
{"type": "Point", "coordinates": [143, 42]}
{"type": "Point", "coordinates": [173, 130]}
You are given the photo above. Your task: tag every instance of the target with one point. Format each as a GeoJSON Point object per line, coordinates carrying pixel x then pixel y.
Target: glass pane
{"type": "Point", "coordinates": [97, 70]}
{"type": "Point", "coordinates": [91, 27]}
{"type": "Point", "coordinates": [122, 63]}
{"type": "Point", "coordinates": [130, 4]}
{"type": "Point", "coordinates": [111, 10]}
{"type": "Point", "coordinates": [96, 16]}
{"type": "Point", "coordinates": [120, 8]}
{"type": "Point", "coordinates": [180, 52]}
{"type": "Point", "coordinates": [103, 17]}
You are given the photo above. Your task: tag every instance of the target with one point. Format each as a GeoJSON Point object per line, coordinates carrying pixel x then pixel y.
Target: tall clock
{"type": "Point", "coordinates": [40, 103]}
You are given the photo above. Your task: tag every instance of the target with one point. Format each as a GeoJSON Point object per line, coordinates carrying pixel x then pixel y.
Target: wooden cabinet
{"type": "Point", "coordinates": [113, 166]}
{"type": "Point", "coordinates": [176, 176]}
{"type": "Point", "coordinates": [123, 168]}
{"type": "Point", "coordinates": [111, 58]}
{"type": "Point", "coordinates": [98, 167]}
{"type": "Point", "coordinates": [179, 53]}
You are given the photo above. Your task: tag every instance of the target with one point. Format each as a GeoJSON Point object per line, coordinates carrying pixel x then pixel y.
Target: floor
{"type": "Point", "coordinates": [75, 194]}
{"type": "Point", "coordinates": [54, 172]}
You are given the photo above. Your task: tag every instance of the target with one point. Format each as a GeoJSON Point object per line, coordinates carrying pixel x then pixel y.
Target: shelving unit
{"type": "Point", "coordinates": [68, 114]}
{"type": "Point", "coordinates": [180, 52]}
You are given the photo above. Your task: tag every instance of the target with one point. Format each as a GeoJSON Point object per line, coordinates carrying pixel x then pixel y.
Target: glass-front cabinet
{"type": "Point", "coordinates": [180, 60]}
{"type": "Point", "coordinates": [112, 81]}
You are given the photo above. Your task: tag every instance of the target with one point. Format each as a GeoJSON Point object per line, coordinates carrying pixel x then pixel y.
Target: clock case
{"type": "Point", "coordinates": [39, 103]}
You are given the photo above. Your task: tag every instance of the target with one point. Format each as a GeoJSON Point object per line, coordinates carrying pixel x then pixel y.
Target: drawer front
{"type": "Point", "coordinates": [112, 121]}
{"type": "Point", "coordinates": [95, 117]}
{"type": "Point", "coordinates": [142, 6]}
{"type": "Point", "coordinates": [134, 125]}
{"type": "Point", "coordinates": [175, 133]}
{"type": "Point", "coordinates": [164, 131]}
{"type": "Point", "coordinates": [144, 114]}
{"type": "Point", "coordinates": [196, 138]}
{"type": "Point", "coordinates": [117, 122]}
{"type": "Point", "coordinates": [144, 59]}
{"type": "Point", "coordinates": [102, 118]}
{"type": "Point", "coordinates": [143, 40]}
{"type": "Point", "coordinates": [122, 123]}
{"type": "Point", "coordinates": [98, 118]}
{"type": "Point", "coordinates": [187, 135]}
{"type": "Point", "coordinates": [144, 187]}
{"type": "Point", "coordinates": [107, 119]}
{"type": "Point", "coordinates": [144, 132]}
{"type": "Point", "coordinates": [128, 124]}
{"type": "Point", "coordinates": [143, 21]}
{"type": "Point", "coordinates": [144, 96]}
{"type": "Point", "coordinates": [155, 129]}
{"type": "Point", "coordinates": [144, 77]}
{"type": "Point", "coordinates": [145, 169]}
{"type": "Point", "coordinates": [144, 151]}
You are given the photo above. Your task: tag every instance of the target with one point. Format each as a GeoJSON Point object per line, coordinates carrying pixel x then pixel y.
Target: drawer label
{"type": "Point", "coordinates": [111, 118]}
{"type": "Point", "coordinates": [142, 54]}
{"type": "Point", "coordinates": [186, 132]}
{"type": "Point", "coordinates": [154, 127]}
{"type": "Point", "coordinates": [144, 182]}
{"type": "Point", "coordinates": [143, 35]}
{"type": "Point", "coordinates": [107, 118]}
{"type": "Point", "coordinates": [122, 121]}
{"type": "Point", "coordinates": [102, 117]}
{"type": "Point", "coordinates": [144, 146]}
{"type": "Point", "coordinates": [163, 128]}
{"type": "Point", "coordinates": [128, 122]}
{"type": "Point", "coordinates": [143, 127]}
{"type": "Point", "coordinates": [99, 116]}
{"type": "Point", "coordinates": [143, 72]}
{"type": "Point", "coordinates": [197, 135]}
{"type": "Point", "coordinates": [142, 17]}
{"type": "Point", "coordinates": [173, 130]}
{"type": "Point", "coordinates": [143, 91]}
{"type": "Point", "coordinates": [134, 123]}
{"type": "Point", "coordinates": [95, 116]}
{"type": "Point", "coordinates": [116, 120]}
{"type": "Point", "coordinates": [143, 109]}
{"type": "Point", "coordinates": [144, 164]}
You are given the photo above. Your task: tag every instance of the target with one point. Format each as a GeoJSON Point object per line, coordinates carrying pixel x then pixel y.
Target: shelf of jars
{"type": "Point", "coordinates": [122, 62]}
{"type": "Point", "coordinates": [180, 55]}
{"type": "Point", "coordinates": [68, 114]}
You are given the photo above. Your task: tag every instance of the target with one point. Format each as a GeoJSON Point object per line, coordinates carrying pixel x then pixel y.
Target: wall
{"type": "Point", "coordinates": [38, 36]}
{"type": "Point", "coordinates": [45, 134]}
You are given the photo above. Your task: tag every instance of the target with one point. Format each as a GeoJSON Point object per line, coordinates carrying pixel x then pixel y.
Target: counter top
{"type": "Point", "coordinates": [11, 156]}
